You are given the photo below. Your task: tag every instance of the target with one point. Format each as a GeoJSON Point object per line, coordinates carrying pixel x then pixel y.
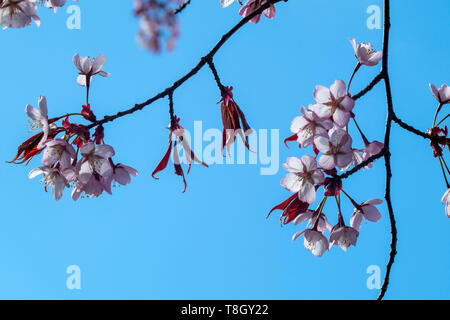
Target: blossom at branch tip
{"type": "Point", "coordinates": [39, 119]}
{"type": "Point", "coordinates": [177, 136]}
{"type": "Point", "coordinates": [343, 236]}
{"type": "Point", "coordinates": [18, 13]}
{"type": "Point", "coordinates": [308, 126]}
{"type": "Point", "coordinates": [233, 120]}
{"type": "Point", "coordinates": [314, 241]}
{"type": "Point", "coordinates": [311, 216]}
{"type": "Point", "coordinates": [333, 102]}
{"type": "Point", "coordinates": [89, 68]}
{"type": "Point", "coordinates": [54, 177]}
{"type": "Point", "coordinates": [55, 4]}
{"type": "Point", "coordinates": [366, 210]}
{"type": "Point", "coordinates": [336, 151]}
{"type": "Point", "coordinates": [252, 5]}
{"type": "Point", "coordinates": [58, 150]}
{"type": "Point", "coordinates": [366, 54]}
{"type": "Point", "coordinates": [442, 94]}
{"type": "Point", "coordinates": [302, 177]}
{"type": "Point", "coordinates": [446, 200]}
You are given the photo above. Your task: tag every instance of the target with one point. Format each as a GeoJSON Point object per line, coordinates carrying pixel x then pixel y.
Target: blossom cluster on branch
{"type": "Point", "coordinates": [72, 157]}
{"type": "Point", "coordinates": [20, 13]}
{"type": "Point", "coordinates": [324, 126]}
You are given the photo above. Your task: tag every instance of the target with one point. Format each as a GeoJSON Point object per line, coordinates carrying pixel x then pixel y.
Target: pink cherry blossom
{"type": "Point", "coordinates": [303, 175]}
{"type": "Point", "coordinates": [252, 5]}
{"type": "Point", "coordinates": [88, 68]}
{"type": "Point", "coordinates": [57, 179]}
{"type": "Point", "coordinates": [366, 54]}
{"type": "Point", "coordinates": [94, 170]}
{"type": "Point", "coordinates": [372, 149]}
{"type": "Point", "coordinates": [122, 174]}
{"type": "Point", "coordinates": [365, 210]}
{"type": "Point", "coordinates": [308, 126]}
{"type": "Point", "coordinates": [311, 216]}
{"type": "Point", "coordinates": [442, 94]}
{"type": "Point", "coordinates": [336, 151]}
{"type": "Point", "coordinates": [314, 241]}
{"type": "Point", "coordinates": [58, 150]}
{"type": "Point", "coordinates": [446, 200]}
{"type": "Point", "coordinates": [39, 119]}
{"type": "Point", "coordinates": [333, 102]}
{"type": "Point", "coordinates": [18, 13]}
{"type": "Point", "coordinates": [343, 236]}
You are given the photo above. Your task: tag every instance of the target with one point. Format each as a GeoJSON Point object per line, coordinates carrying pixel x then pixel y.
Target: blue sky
{"type": "Point", "coordinates": [149, 241]}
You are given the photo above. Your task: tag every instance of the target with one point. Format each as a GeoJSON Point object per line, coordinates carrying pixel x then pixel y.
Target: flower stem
{"type": "Point", "coordinates": [436, 114]}
{"type": "Point", "coordinates": [366, 142]}
{"type": "Point", "coordinates": [351, 78]}
{"type": "Point", "coordinates": [443, 120]}
{"type": "Point", "coordinates": [443, 172]}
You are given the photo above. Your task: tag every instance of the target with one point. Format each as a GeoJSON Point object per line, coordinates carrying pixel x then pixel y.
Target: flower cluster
{"type": "Point", "coordinates": [251, 6]}
{"type": "Point", "coordinates": [70, 156]}
{"type": "Point", "coordinates": [439, 138]}
{"type": "Point", "coordinates": [20, 13]}
{"type": "Point", "coordinates": [324, 126]}
{"type": "Point", "coordinates": [157, 22]}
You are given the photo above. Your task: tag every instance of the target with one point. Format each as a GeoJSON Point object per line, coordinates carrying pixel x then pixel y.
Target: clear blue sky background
{"type": "Point", "coordinates": [149, 241]}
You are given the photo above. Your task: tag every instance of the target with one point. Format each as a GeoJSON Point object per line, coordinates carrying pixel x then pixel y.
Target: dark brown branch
{"type": "Point", "coordinates": [363, 164]}
{"type": "Point", "coordinates": [182, 6]}
{"type": "Point", "coordinates": [387, 156]}
{"type": "Point", "coordinates": [369, 87]}
{"type": "Point", "coordinates": [191, 73]}
{"type": "Point", "coordinates": [411, 128]}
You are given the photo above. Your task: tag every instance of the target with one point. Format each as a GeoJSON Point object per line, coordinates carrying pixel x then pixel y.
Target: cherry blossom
{"type": "Point", "coordinates": [333, 102]}
{"type": "Point", "coordinates": [446, 200]}
{"type": "Point", "coordinates": [39, 119]}
{"type": "Point", "coordinates": [94, 170]}
{"type": "Point", "coordinates": [310, 216]}
{"type": "Point", "coordinates": [365, 54]}
{"type": "Point", "coordinates": [18, 13]}
{"type": "Point", "coordinates": [314, 241]}
{"type": "Point", "coordinates": [343, 236]}
{"type": "Point", "coordinates": [89, 68]}
{"type": "Point", "coordinates": [442, 94]}
{"type": "Point", "coordinates": [336, 151]}
{"type": "Point", "coordinates": [122, 174]}
{"type": "Point", "coordinates": [366, 210]}
{"type": "Point", "coordinates": [251, 5]}
{"type": "Point", "coordinates": [302, 177]}
{"type": "Point", "coordinates": [58, 150]}
{"type": "Point", "coordinates": [55, 178]}
{"type": "Point", "coordinates": [308, 126]}
{"type": "Point", "coordinates": [157, 21]}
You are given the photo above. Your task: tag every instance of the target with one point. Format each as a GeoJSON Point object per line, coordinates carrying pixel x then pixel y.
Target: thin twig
{"type": "Point", "coordinates": [182, 6]}
{"type": "Point", "coordinates": [191, 73]}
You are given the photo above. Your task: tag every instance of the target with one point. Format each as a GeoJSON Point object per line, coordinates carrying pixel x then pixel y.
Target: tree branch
{"type": "Point", "coordinates": [387, 156]}
{"type": "Point", "coordinates": [182, 6]}
{"type": "Point", "coordinates": [191, 73]}
{"type": "Point", "coordinates": [369, 87]}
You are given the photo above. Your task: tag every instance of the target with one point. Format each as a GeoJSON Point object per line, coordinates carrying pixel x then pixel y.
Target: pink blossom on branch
{"type": "Point", "coordinates": [252, 5]}
{"type": "Point", "coordinates": [302, 177]}
{"type": "Point", "coordinates": [365, 53]}
{"type": "Point", "coordinates": [442, 94]}
{"type": "Point", "coordinates": [333, 102]}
